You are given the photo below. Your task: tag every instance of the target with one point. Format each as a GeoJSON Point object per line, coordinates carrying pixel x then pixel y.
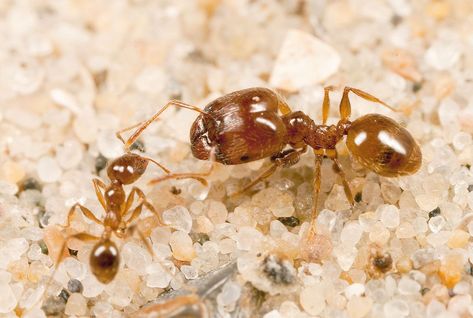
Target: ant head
{"type": "Point", "coordinates": [199, 136]}
{"type": "Point", "coordinates": [104, 261]}
{"type": "Point", "coordinates": [383, 146]}
{"type": "Point", "coordinates": [127, 168]}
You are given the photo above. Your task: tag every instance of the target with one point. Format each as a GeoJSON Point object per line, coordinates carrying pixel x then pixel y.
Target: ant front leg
{"type": "Point", "coordinates": [200, 176]}
{"type": "Point", "coordinates": [86, 212]}
{"type": "Point", "coordinates": [283, 159]}
{"type": "Point", "coordinates": [140, 127]}
{"type": "Point", "coordinates": [99, 184]}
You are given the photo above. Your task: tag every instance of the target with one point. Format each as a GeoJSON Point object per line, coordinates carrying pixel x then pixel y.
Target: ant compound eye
{"type": "Point", "coordinates": [104, 261]}
{"type": "Point", "coordinates": [383, 146]}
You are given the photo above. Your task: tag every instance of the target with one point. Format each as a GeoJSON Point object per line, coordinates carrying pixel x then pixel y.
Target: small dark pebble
{"type": "Point", "coordinates": [434, 212]}
{"type": "Point", "coordinates": [72, 252]}
{"type": "Point", "coordinates": [75, 286]}
{"type": "Point", "coordinates": [100, 78]}
{"type": "Point", "coordinates": [467, 165]}
{"type": "Point", "coordinates": [278, 271]}
{"type": "Point", "coordinates": [175, 191]}
{"type": "Point", "coordinates": [138, 145]}
{"type": "Point", "coordinates": [30, 184]}
{"type": "Point", "coordinates": [44, 247]}
{"type": "Point", "coordinates": [396, 19]}
{"type": "Point", "coordinates": [383, 262]}
{"type": "Point", "coordinates": [100, 163]}
{"type": "Point", "coordinates": [470, 269]}
{"type": "Point", "coordinates": [416, 87]}
{"type": "Point", "coordinates": [54, 306]}
{"type": "Point", "coordinates": [424, 291]}
{"type": "Point", "coordinates": [470, 188]}
{"type": "Point", "coordinates": [358, 197]}
{"type": "Point", "coordinates": [43, 218]}
{"type": "Point", "coordinates": [200, 238]}
{"type": "Point", "coordinates": [64, 295]}
{"type": "Point", "coordinates": [290, 221]}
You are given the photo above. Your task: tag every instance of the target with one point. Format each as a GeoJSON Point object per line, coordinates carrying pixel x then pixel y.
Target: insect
{"type": "Point", "coordinates": [257, 123]}
{"type": "Point", "coordinates": [119, 215]}
{"type": "Point", "coordinates": [245, 126]}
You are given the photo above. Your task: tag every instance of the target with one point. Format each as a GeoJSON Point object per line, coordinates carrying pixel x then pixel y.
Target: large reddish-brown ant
{"type": "Point", "coordinates": [245, 126]}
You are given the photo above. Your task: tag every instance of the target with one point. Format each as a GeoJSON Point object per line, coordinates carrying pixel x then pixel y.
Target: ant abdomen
{"type": "Point", "coordinates": [383, 146]}
{"type": "Point", "coordinates": [127, 168]}
{"type": "Point", "coordinates": [104, 261]}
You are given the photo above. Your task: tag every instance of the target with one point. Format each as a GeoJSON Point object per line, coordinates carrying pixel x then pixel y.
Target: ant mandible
{"type": "Point", "coordinates": [245, 126]}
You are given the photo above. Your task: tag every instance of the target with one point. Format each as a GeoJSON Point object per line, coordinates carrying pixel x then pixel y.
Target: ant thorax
{"type": "Point", "coordinates": [302, 130]}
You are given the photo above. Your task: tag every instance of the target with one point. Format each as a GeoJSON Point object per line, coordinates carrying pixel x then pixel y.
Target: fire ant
{"type": "Point", "coordinates": [245, 126]}
{"type": "Point", "coordinates": [119, 215]}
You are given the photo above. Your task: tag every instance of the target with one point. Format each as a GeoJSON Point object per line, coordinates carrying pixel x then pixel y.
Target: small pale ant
{"type": "Point", "coordinates": [245, 126]}
{"type": "Point", "coordinates": [119, 216]}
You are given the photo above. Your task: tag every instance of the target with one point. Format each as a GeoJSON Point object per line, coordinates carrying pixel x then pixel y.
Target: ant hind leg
{"type": "Point", "coordinates": [332, 154]}
{"type": "Point", "coordinates": [345, 105]}
{"type": "Point", "coordinates": [85, 237]}
{"type": "Point", "coordinates": [86, 212]}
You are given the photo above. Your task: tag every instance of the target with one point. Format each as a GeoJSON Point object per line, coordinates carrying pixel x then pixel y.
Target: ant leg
{"type": "Point", "coordinates": [345, 106]}
{"type": "Point", "coordinates": [326, 104]}
{"type": "Point", "coordinates": [131, 230]}
{"type": "Point", "coordinates": [285, 159]}
{"type": "Point", "coordinates": [200, 176]}
{"type": "Point", "coordinates": [99, 184]}
{"type": "Point", "coordinates": [87, 213]}
{"type": "Point", "coordinates": [173, 306]}
{"type": "Point", "coordinates": [332, 154]}
{"type": "Point", "coordinates": [316, 182]}
{"type": "Point", "coordinates": [144, 124]}
{"type": "Point", "coordinates": [137, 211]}
{"type": "Point", "coordinates": [85, 237]}
{"type": "Point", "coordinates": [266, 174]}
{"type": "Point", "coordinates": [282, 104]}
{"type": "Point", "coordinates": [166, 170]}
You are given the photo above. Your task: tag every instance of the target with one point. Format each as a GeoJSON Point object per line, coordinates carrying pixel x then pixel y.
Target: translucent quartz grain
{"type": "Point", "coordinates": [181, 245]}
{"type": "Point", "coordinates": [351, 233]}
{"type": "Point", "coordinates": [396, 308]}
{"type": "Point", "coordinates": [312, 299]}
{"type": "Point", "coordinates": [8, 300]}
{"type": "Point", "coordinates": [217, 212]}
{"type": "Point", "coordinates": [69, 155]}
{"type": "Point", "coordinates": [280, 203]}
{"type": "Point", "coordinates": [389, 215]}
{"type": "Point", "coordinates": [48, 169]}
{"type": "Point", "coordinates": [178, 218]}
{"type": "Point", "coordinates": [358, 306]}
{"type": "Point", "coordinates": [76, 305]}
